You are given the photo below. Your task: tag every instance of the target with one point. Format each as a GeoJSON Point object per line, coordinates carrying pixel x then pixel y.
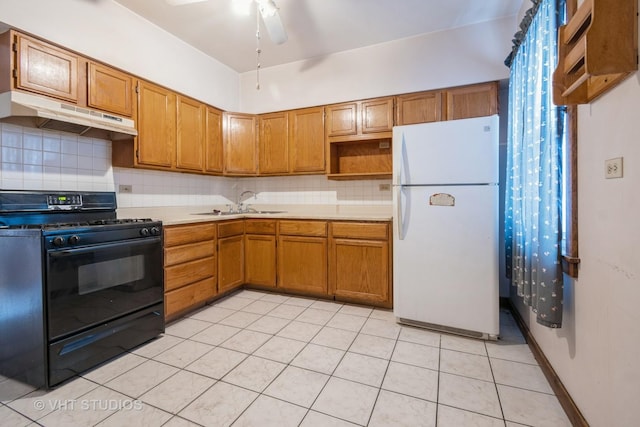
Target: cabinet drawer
{"type": "Point", "coordinates": [260, 226]}
{"type": "Point", "coordinates": [191, 233]}
{"type": "Point", "coordinates": [179, 254]}
{"type": "Point", "coordinates": [182, 274]}
{"type": "Point", "coordinates": [360, 230]}
{"type": "Point", "coordinates": [188, 296]}
{"type": "Point", "coordinates": [303, 228]}
{"type": "Point", "coordinates": [231, 228]}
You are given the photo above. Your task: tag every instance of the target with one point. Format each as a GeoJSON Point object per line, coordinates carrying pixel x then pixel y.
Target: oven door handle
{"type": "Point", "coordinates": [93, 248]}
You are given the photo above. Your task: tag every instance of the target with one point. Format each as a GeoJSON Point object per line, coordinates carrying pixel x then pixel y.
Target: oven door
{"type": "Point", "coordinates": [90, 285]}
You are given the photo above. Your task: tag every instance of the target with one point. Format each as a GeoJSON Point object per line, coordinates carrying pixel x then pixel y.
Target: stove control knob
{"type": "Point", "coordinates": [58, 241]}
{"type": "Point", "coordinates": [73, 240]}
{"type": "Point", "coordinates": [155, 231]}
{"type": "Point", "coordinates": [144, 232]}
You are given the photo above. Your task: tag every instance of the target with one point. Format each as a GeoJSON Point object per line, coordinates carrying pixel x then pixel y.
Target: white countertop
{"type": "Point", "coordinates": [171, 215]}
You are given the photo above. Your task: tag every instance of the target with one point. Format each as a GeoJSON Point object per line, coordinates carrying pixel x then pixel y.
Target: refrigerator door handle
{"type": "Point", "coordinates": [399, 207]}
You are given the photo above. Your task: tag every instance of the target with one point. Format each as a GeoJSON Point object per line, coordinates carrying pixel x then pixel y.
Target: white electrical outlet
{"type": "Point", "coordinates": [613, 168]}
{"type": "Point", "coordinates": [384, 187]}
{"type": "Point", "coordinates": [122, 188]}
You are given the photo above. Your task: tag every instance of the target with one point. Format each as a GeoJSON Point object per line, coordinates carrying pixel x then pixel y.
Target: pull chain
{"type": "Point", "coordinates": [258, 50]}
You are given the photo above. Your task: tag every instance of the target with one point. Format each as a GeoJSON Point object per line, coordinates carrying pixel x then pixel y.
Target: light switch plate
{"type": "Point", "coordinates": [613, 168]}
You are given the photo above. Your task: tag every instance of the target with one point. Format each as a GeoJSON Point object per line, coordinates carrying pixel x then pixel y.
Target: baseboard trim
{"type": "Point", "coordinates": [567, 403]}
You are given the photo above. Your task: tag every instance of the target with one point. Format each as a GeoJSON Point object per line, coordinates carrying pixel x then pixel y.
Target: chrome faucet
{"type": "Point", "coordinates": [239, 206]}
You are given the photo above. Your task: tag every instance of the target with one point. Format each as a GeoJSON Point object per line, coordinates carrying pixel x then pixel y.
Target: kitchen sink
{"type": "Point", "coordinates": [252, 212]}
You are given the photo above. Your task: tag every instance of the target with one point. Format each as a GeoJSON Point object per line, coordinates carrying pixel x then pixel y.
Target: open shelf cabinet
{"type": "Point", "coordinates": [364, 159]}
{"type": "Point", "coordinates": [598, 48]}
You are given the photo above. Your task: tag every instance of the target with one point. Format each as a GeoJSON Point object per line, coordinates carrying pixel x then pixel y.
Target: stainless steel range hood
{"type": "Point", "coordinates": [35, 111]}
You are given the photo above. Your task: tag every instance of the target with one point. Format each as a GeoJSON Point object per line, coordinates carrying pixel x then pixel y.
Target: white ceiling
{"type": "Point", "coordinates": [315, 27]}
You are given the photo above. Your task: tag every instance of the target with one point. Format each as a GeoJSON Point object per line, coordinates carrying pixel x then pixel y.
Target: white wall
{"type": "Point", "coordinates": [106, 31]}
{"type": "Point", "coordinates": [596, 352]}
{"type": "Point", "coordinates": [465, 55]}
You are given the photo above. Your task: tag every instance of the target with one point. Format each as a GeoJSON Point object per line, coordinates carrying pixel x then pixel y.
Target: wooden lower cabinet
{"type": "Point", "coordinates": [189, 267]}
{"type": "Point", "coordinates": [302, 257]}
{"type": "Point", "coordinates": [359, 263]}
{"type": "Point", "coordinates": [230, 255]}
{"type": "Point", "coordinates": [260, 252]}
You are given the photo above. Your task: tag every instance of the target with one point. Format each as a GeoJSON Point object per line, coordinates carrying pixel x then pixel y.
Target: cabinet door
{"type": "Point", "coordinates": [359, 270]}
{"type": "Point", "coordinates": [230, 263]}
{"type": "Point", "coordinates": [273, 145]}
{"type": "Point", "coordinates": [341, 119]}
{"type": "Point", "coordinates": [422, 107]}
{"type": "Point", "coordinates": [240, 144]}
{"type": "Point", "coordinates": [377, 115]}
{"type": "Point", "coordinates": [260, 259]}
{"type": "Point", "coordinates": [109, 90]}
{"type": "Point", "coordinates": [306, 140]}
{"type": "Point", "coordinates": [213, 141]}
{"type": "Point", "coordinates": [472, 101]}
{"type": "Point", "coordinates": [156, 125]}
{"type": "Point", "coordinates": [190, 134]}
{"type": "Point", "coordinates": [302, 264]}
{"type": "Point", "coordinates": [47, 70]}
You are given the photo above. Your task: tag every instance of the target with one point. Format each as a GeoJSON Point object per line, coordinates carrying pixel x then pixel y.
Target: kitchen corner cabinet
{"type": "Point", "coordinates": [189, 266]}
{"type": "Point", "coordinates": [213, 141]}
{"type": "Point", "coordinates": [109, 89]}
{"type": "Point", "coordinates": [273, 144]}
{"type": "Point", "coordinates": [156, 138]}
{"type": "Point", "coordinates": [306, 141]}
{"type": "Point", "coordinates": [260, 252]}
{"type": "Point", "coordinates": [360, 262]}
{"type": "Point", "coordinates": [358, 138]}
{"type": "Point", "coordinates": [190, 134]}
{"type": "Point", "coordinates": [302, 257]}
{"type": "Point", "coordinates": [230, 255]}
{"type": "Point", "coordinates": [478, 100]}
{"type": "Point", "coordinates": [46, 69]}
{"type": "Point", "coordinates": [240, 146]}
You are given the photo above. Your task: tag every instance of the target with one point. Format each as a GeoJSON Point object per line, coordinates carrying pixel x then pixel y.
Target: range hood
{"type": "Point", "coordinates": [35, 111]}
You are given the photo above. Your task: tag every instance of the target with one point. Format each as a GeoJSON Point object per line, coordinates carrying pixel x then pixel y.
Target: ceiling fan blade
{"type": "Point", "coordinates": [271, 19]}
{"type": "Point", "coordinates": [182, 2]}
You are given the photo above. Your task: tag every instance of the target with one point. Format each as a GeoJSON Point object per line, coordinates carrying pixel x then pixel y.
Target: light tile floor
{"type": "Point", "coordinates": [262, 359]}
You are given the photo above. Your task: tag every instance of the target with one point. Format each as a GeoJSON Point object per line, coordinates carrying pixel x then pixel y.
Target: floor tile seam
{"type": "Point", "coordinates": [416, 366]}
{"type": "Point", "coordinates": [23, 414]}
{"type": "Point", "coordinates": [419, 343]}
{"type": "Point", "coordinates": [474, 412]}
{"type": "Point", "coordinates": [147, 342]}
{"type": "Point", "coordinates": [332, 416]}
{"type": "Point", "coordinates": [515, 361]}
{"type": "Point", "coordinates": [495, 384]}
{"type": "Point", "coordinates": [215, 381]}
{"type": "Point", "coordinates": [526, 389]}
{"type": "Point", "coordinates": [465, 352]}
{"type": "Point", "coordinates": [386, 370]}
{"type": "Point", "coordinates": [468, 377]}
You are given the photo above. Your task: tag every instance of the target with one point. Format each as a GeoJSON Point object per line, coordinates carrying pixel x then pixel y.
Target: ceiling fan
{"type": "Point", "coordinates": [268, 11]}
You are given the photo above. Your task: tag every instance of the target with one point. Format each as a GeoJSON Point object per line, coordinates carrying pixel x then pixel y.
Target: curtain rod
{"type": "Point", "coordinates": [518, 37]}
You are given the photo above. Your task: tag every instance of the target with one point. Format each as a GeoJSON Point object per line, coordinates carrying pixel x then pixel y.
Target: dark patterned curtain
{"type": "Point", "coordinates": [536, 132]}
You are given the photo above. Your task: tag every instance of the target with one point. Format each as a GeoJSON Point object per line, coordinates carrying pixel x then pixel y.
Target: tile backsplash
{"type": "Point", "coordinates": [34, 159]}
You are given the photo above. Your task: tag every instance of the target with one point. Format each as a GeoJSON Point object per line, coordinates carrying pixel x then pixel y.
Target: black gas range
{"type": "Point", "coordinates": [78, 285]}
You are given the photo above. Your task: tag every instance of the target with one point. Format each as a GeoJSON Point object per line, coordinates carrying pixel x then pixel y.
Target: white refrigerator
{"type": "Point", "coordinates": [445, 226]}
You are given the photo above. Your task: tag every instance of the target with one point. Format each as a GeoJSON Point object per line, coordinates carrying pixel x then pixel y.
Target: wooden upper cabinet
{"type": "Point", "coordinates": [472, 101]}
{"type": "Point", "coordinates": [240, 157]}
{"type": "Point", "coordinates": [273, 143]}
{"type": "Point", "coordinates": [46, 69]}
{"type": "Point", "coordinates": [342, 119]}
{"type": "Point", "coordinates": [190, 134]}
{"type": "Point", "coordinates": [377, 115]}
{"type": "Point", "coordinates": [156, 125]}
{"type": "Point", "coordinates": [109, 89]}
{"type": "Point", "coordinates": [420, 107]}
{"type": "Point", "coordinates": [306, 140]}
{"type": "Point", "coordinates": [213, 141]}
